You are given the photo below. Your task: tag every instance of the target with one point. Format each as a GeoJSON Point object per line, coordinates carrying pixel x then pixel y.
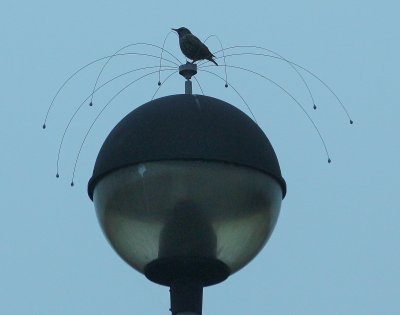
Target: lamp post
{"type": "Point", "coordinates": [187, 189]}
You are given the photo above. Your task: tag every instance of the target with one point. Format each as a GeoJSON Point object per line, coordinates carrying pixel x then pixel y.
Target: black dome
{"type": "Point", "coordinates": [186, 127]}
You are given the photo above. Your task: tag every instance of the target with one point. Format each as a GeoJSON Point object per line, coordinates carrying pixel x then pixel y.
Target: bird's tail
{"type": "Point", "coordinates": [213, 61]}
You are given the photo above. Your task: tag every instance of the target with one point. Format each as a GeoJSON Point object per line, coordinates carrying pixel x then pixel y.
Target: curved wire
{"type": "Point", "coordinates": [223, 54]}
{"type": "Point", "coordinates": [247, 105]}
{"type": "Point", "coordinates": [198, 83]}
{"type": "Point", "coordinates": [84, 67]}
{"type": "Point", "coordinates": [97, 117]}
{"type": "Point", "coordinates": [84, 101]}
{"type": "Point", "coordinates": [122, 48]}
{"type": "Point", "coordinates": [159, 87]}
{"type": "Point", "coordinates": [327, 86]}
{"type": "Point", "coordinates": [294, 99]}
{"type": "Point", "coordinates": [161, 56]}
{"type": "Point", "coordinates": [282, 58]}
{"type": "Point", "coordinates": [301, 67]}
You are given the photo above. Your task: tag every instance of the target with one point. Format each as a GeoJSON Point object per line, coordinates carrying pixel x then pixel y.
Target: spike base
{"type": "Point", "coordinates": [188, 70]}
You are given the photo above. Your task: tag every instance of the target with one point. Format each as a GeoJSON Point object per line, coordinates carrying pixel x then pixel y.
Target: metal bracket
{"type": "Point", "coordinates": [188, 70]}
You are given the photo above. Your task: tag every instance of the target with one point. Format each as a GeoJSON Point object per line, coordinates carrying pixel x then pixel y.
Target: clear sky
{"type": "Point", "coordinates": [335, 249]}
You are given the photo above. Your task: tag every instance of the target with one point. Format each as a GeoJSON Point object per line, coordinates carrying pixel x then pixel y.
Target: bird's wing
{"type": "Point", "coordinates": [193, 48]}
{"type": "Point", "coordinates": [198, 49]}
{"type": "Point", "coordinates": [193, 40]}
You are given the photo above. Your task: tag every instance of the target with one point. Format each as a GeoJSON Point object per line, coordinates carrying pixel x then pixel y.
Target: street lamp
{"type": "Point", "coordinates": [187, 189]}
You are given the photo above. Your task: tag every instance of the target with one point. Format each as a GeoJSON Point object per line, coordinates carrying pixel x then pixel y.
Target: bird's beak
{"type": "Point", "coordinates": [174, 29]}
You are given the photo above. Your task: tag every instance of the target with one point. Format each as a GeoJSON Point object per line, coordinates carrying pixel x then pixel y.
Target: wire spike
{"type": "Point", "coordinates": [236, 91]}
{"type": "Point", "coordinates": [99, 114]}
{"type": "Point", "coordinates": [125, 47]}
{"type": "Point", "coordinates": [287, 93]}
{"type": "Point", "coordinates": [223, 55]}
{"type": "Point", "coordinates": [108, 57]}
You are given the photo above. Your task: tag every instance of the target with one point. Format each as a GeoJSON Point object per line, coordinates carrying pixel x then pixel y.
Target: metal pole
{"type": "Point", "coordinates": [188, 87]}
{"type": "Point", "coordinates": [186, 297]}
{"type": "Point", "coordinates": [188, 70]}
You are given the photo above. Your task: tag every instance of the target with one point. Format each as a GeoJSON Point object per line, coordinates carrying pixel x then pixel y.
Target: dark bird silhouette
{"type": "Point", "coordinates": [192, 47]}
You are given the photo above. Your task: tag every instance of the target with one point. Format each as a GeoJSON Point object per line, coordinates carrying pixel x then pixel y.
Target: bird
{"type": "Point", "coordinates": [192, 47]}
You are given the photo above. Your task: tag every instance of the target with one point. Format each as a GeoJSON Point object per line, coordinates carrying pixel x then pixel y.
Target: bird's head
{"type": "Point", "coordinates": [182, 31]}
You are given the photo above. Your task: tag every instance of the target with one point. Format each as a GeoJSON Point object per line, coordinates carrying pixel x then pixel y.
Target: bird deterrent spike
{"type": "Point", "coordinates": [118, 51]}
{"type": "Point", "coordinates": [293, 65]}
{"type": "Point", "coordinates": [64, 83]}
{"type": "Point", "coordinates": [278, 56]}
{"type": "Point", "coordinates": [97, 117]}
{"type": "Point", "coordinates": [159, 86]}
{"type": "Point", "coordinates": [237, 92]}
{"type": "Point", "coordinates": [198, 83]}
{"type": "Point", "coordinates": [295, 100]}
{"type": "Point", "coordinates": [226, 85]}
{"type": "Point", "coordinates": [287, 93]}
{"type": "Point", "coordinates": [223, 55]}
{"type": "Point", "coordinates": [84, 101]}
{"type": "Point", "coordinates": [161, 57]}
{"type": "Point", "coordinates": [95, 61]}
{"type": "Point", "coordinates": [329, 88]}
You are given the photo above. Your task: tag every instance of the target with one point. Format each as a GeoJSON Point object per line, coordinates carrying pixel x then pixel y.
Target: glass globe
{"type": "Point", "coordinates": [187, 210]}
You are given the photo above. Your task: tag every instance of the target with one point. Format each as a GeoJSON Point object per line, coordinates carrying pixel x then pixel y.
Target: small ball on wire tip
{"type": "Point", "coordinates": [226, 85]}
{"type": "Point", "coordinates": [329, 161]}
{"type": "Point", "coordinates": [44, 126]}
{"type": "Point", "coordinates": [91, 103]}
{"type": "Point", "coordinates": [351, 122]}
{"type": "Point", "coordinates": [315, 106]}
{"type": "Point", "coordinates": [159, 83]}
{"type": "Point", "coordinates": [57, 175]}
{"type": "Point", "coordinates": [72, 184]}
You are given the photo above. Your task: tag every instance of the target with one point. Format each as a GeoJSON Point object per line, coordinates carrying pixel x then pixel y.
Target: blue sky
{"type": "Point", "coordinates": [335, 247]}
